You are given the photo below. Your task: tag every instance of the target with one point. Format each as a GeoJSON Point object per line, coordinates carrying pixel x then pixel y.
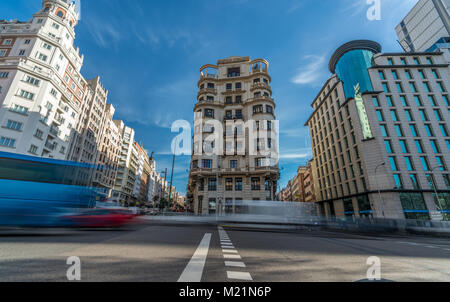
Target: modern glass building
{"type": "Point", "coordinates": [351, 63]}
{"type": "Point", "coordinates": [401, 169]}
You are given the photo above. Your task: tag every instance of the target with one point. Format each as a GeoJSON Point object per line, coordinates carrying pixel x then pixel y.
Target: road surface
{"type": "Point", "coordinates": [156, 251]}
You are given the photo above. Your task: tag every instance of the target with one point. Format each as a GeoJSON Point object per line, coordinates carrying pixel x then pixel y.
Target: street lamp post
{"type": "Point", "coordinates": [436, 192]}
{"type": "Point", "coordinates": [378, 186]}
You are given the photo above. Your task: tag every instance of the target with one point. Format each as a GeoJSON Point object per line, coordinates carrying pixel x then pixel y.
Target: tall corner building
{"type": "Point", "coordinates": [234, 95]}
{"type": "Point", "coordinates": [427, 24]}
{"type": "Point", "coordinates": [41, 87]}
{"type": "Point", "coordinates": [380, 134]}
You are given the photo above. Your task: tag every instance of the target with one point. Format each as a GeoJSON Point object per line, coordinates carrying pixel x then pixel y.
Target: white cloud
{"type": "Point", "coordinates": [311, 71]}
{"type": "Point", "coordinates": [294, 6]}
{"type": "Point", "coordinates": [300, 153]}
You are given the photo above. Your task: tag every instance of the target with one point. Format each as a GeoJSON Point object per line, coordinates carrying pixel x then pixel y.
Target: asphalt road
{"type": "Point", "coordinates": [156, 251]}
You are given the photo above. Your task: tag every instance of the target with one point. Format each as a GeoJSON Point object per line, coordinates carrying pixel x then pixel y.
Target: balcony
{"type": "Point", "coordinates": [260, 98]}
{"type": "Point", "coordinates": [50, 146]}
{"type": "Point", "coordinates": [260, 85]}
{"type": "Point", "coordinates": [207, 91]}
{"type": "Point", "coordinates": [54, 131]}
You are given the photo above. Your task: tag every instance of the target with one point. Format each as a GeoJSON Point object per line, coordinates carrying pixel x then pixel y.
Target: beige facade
{"type": "Point", "coordinates": [109, 152]}
{"type": "Point", "coordinates": [236, 90]}
{"type": "Point", "coordinates": [308, 182]}
{"type": "Point", "coordinates": [393, 172]}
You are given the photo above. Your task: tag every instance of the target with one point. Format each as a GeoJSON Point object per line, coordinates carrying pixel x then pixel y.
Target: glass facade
{"type": "Point", "coordinates": [414, 206]}
{"type": "Point", "coordinates": [352, 69]}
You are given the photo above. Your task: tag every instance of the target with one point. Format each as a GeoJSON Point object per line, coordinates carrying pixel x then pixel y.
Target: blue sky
{"type": "Point", "coordinates": [148, 54]}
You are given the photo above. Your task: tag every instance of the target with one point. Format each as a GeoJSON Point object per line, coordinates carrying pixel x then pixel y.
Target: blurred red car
{"type": "Point", "coordinates": [101, 218]}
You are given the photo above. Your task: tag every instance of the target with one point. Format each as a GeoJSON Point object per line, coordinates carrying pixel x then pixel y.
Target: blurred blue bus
{"type": "Point", "coordinates": [37, 192]}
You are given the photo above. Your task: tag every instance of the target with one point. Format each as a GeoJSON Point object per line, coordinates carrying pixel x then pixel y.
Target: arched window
{"type": "Point", "coordinates": [60, 14]}
{"type": "Point", "coordinates": [70, 23]}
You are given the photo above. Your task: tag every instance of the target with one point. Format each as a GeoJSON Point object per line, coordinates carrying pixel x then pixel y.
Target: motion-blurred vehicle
{"type": "Point", "coordinates": [100, 218]}
{"type": "Point", "coordinates": [38, 192]}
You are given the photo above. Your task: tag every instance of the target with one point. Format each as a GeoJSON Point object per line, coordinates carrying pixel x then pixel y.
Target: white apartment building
{"type": "Point", "coordinates": [426, 24]}
{"type": "Point", "coordinates": [128, 163]}
{"type": "Point", "coordinates": [236, 90]}
{"type": "Point", "coordinates": [108, 153]}
{"type": "Point", "coordinates": [41, 88]}
{"type": "Point", "coordinates": [91, 124]}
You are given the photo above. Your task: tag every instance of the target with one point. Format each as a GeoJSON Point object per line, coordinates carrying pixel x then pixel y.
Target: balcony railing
{"type": "Point", "coordinates": [54, 131]}
{"type": "Point", "coordinates": [50, 146]}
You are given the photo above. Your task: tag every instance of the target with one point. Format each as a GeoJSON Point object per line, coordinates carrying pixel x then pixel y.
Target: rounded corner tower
{"type": "Point", "coordinates": [351, 62]}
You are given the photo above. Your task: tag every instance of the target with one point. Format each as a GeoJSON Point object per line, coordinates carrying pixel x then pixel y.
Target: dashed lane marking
{"type": "Point", "coordinates": [229, 252]}
{"type": "Point", "coordinates": [239, 276]}
{"type": "Point", "coordinates": [234, 264]}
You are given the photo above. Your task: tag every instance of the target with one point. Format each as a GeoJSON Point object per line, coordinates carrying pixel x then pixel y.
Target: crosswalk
{"type": "Point", "coordinates": [233, 260]}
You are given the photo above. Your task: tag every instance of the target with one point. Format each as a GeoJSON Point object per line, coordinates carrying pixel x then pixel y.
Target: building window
{"type": "Point", "coordinates": [26, 94]}
{"type": "Point", "coordinates": [413, 130]}
{"type": "Point", "coordinates": [384, 131]}
{"type": "Point", "coordinates": [238, 184]}
{"type": "Point", "coordinates": [393, 163]}
{"type": "Point", "coordinates": [258, 109]}
{"type": "Point", "coordinates": [7, 142]}
{"type": "Point", "coordinates": [435, 146]}
{"type": "Point", "coordinates": [256, 183]}
{"type": "Point", "coordinates": [375, 101]}
{"type": "Point", "coordinates": [32, 81]}
{"type": "Point", "coordinates": [207, 163]}
{"type": "Point", "coordinates": [33, 149]}
{"type": "Point", "coordinates": [229, 184]}
{"type": "Point", "coordinates": [398, 181]}
{"type": "Point", "coordinates": [414, 181]}
{"type": "Point", "coordinates": [22, 52]}
{"type": "Point", "coordinates": [388, 145]}
{"type": "Point", "coordinates": [390, 103]}
{"type": "Point", "coordinates": [269, 109]}
{"type": "Point", "coordinates": [425, 165]}
{"type": "Point", "coordinates": [14, 125]}
{"type": "Point", "coordinates": [404, 146]}
{"type": "Point", "coordinates": [419, 146]}
{"type": "Point", "coordinates": [42, 57]}
{"type": "Point", "coordinates": [2, 52]}
{"type": "Point", "coordinates": [409, 164]}
{"type": "Point", "coordinates": [234, 72]}
{"type": "Point", "coordinates": [408, 75]}
{"type": "Point", "coordinates": [429, 130]}
{"type": "Point", "coordinates": [209, 113]}
{"type": "Point", "coordinates": [233, 164]}
{"type": "Point", "coordinates": [4, 75]}
{"type": "Point", "coordinates": [440, 162]}
{"type": "Point", "coordinates": [212, 184]}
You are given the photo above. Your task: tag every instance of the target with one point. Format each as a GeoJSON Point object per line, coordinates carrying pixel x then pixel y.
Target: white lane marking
{"type": "Point", "coordinates": [239, 276]}
{"type": "Point", "coordinates": [431, 247]}
{"type": "Point", "coordinates": [231, 256]}
{"type": "Point", "coordinates": [230, 251]}
{"type": "Point", "coordinates": [194, 269]}
{"type": "Point", "coordinates": [234, 263]}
